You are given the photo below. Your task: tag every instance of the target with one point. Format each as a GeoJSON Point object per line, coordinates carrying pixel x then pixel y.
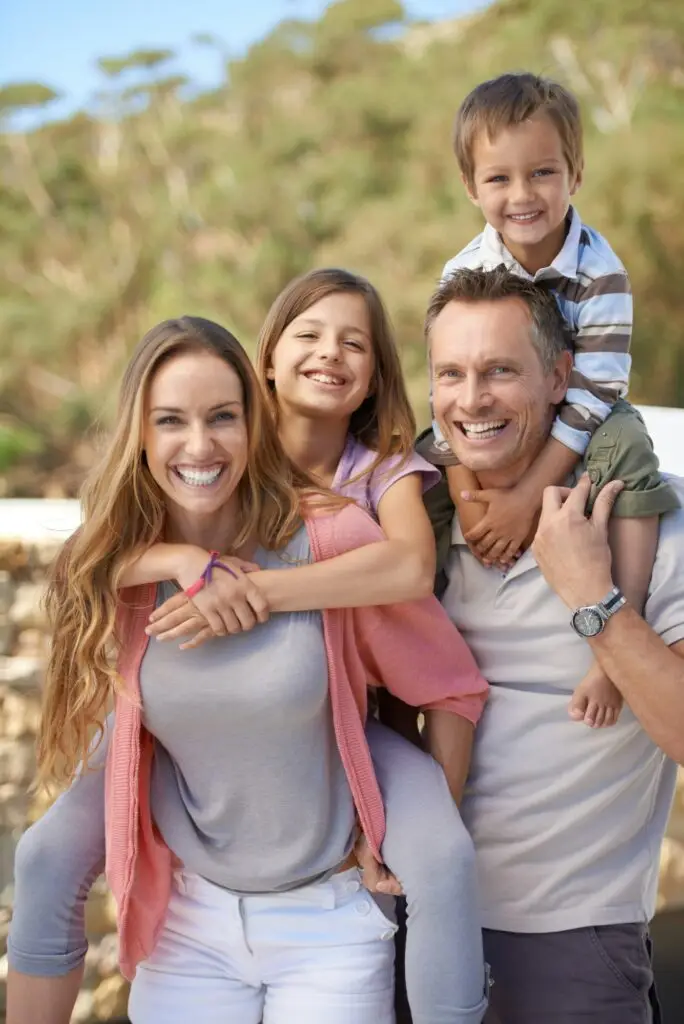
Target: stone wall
{"type": "Point", "coordinates": [23, 645]}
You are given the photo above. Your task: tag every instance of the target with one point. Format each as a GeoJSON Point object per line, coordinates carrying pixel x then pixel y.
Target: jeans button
{"type": "Point", "coordinates": [354, 886]}
{"type": "Point", "coordinates": [363, 908]}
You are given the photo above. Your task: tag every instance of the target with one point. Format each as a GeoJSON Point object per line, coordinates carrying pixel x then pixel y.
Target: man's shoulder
{"type": "Point", "coordinates": [469, 258]}
{"type": "Point", "coordinates": [597, 258]}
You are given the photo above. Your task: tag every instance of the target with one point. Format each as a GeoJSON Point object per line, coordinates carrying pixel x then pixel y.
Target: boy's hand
{"type": "Point", "coordinates": [228, 605]}
{"type": "Point", "coordinates": [500, 535]}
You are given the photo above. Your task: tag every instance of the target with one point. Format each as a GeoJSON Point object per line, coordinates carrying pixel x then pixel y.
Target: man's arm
{"type": "Point", "coordinates": [574, 555]}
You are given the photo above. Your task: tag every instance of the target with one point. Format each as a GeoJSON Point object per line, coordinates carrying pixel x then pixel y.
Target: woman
{"type": "Point", "coordinates": [249, 784]}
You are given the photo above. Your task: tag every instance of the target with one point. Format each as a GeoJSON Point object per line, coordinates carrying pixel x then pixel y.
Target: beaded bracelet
{"type": "Point", "coordinates": [205, 577]}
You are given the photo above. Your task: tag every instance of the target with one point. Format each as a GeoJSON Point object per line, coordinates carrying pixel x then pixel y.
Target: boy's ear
{"type": "Point", "coordinates": [470, 190]}
{"type": "Point", "coordinates": [577, 182]}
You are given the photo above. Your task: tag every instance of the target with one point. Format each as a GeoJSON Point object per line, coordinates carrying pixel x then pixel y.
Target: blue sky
{"type": "Point", "coordinates": [58, 41]}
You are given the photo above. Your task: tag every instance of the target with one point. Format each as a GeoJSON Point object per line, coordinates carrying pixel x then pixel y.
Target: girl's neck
{"type": "Point", "coordinates": [314, 445]}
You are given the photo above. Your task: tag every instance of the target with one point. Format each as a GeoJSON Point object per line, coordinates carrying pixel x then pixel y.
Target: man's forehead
{"type": "Point", "coordinates": [486, 330]}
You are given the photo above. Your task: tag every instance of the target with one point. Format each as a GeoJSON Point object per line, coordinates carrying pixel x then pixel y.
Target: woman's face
{"type": "Point", "coordinates": [323, 362]}
{"type": "Point", "coordinates": [195, 432]}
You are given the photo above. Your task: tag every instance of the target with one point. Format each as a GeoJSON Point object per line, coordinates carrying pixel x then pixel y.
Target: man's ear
{"type": "Point", "coordinates": [560, 377]}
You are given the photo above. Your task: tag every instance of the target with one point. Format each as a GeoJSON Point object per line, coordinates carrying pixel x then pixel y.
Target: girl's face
{"type": "Point", "coordinates": [323, 362]}
{"type": "Point", "coordinates": [195, 432]}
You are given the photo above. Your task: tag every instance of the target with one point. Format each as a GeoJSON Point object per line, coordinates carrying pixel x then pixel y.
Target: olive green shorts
{"type": "Point", "coordinates": [621, 449]}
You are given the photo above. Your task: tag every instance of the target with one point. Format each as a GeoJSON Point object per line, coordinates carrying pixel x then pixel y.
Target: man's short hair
{"type": "Point", "coordinates": [509, 100]}
{"type": "Point", "coordinates": [549, 333]}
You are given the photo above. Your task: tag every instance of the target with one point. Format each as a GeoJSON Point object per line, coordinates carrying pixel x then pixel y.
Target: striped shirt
{"type": "Point", "coordinates": [595, 298]}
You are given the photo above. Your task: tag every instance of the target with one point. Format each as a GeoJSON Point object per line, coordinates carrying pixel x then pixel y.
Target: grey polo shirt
{"type": "Point", "coordinates": [567, 821]}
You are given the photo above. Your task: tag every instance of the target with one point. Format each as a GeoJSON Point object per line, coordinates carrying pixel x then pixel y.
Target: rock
{"type": "Point", "coordinates": [22, 673]}
{"type": "Point", "coordinates": [27, 608]}
{"type": "Point", "coordinates": [110, 998]}
{"type": "Point", "coordinates": [19, 715]}
{"type": "Point", "coordinates": [17, 761]}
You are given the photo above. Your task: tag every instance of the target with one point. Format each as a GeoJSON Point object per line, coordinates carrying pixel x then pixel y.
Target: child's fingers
{"type": "Point", "coordinates": [172, 605]}
{"type": "Point", "coordinates": [197, 641]}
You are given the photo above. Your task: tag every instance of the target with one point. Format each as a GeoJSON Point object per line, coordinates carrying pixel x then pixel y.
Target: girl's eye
{"type": "Point", "coordinates": [357, 345]}
{"type": "Point", "coordinates": [307, 335]}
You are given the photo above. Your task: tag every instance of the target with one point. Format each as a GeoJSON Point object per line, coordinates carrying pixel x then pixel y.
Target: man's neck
{"type": "Point", "coordinates": [314, 445]}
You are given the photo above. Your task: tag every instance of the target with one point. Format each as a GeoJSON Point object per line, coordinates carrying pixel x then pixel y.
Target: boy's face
{"type": "Point", "coordinates": [522, 183]}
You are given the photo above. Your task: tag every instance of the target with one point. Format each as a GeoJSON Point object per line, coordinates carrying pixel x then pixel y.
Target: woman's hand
{"type": "Point", "coordinates": [229, 604]}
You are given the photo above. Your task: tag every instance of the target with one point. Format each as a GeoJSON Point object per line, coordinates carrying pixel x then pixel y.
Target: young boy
{"type": "Point", "coordinates": [518, 142]}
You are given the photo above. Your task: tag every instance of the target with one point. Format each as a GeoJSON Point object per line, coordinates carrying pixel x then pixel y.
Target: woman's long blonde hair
{"type": "Point", "coordinates": [384, 422]}
{"type": "Point", "coordinates": [123, 513]}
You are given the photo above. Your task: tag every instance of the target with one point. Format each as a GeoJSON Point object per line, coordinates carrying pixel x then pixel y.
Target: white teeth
{"type": "Point", "coordinates": [524, 216]}
{"type": "Point", "coordinates": [199, 477]}
{"type": "Point", "coordinates": [325, 378]}
{"type": "Point", "coordinates": [483, 430]}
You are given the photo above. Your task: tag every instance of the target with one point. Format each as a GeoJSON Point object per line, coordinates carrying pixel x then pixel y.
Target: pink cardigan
{"type": "Point", "coordinates": [412, 648]}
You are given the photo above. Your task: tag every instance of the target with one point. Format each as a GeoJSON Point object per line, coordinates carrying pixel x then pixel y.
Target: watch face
{"type": "Point", "coordinates": [587, 622]}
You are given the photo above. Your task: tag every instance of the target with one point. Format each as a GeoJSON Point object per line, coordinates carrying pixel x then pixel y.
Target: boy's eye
{"type": "Point", "coordinates": [496, 179]}
{"type": "Point", "coordinates": [543, 172]}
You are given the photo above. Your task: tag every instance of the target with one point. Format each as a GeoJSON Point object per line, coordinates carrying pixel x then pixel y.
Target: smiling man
{"type": "Point", "coordinates": [567, 821]}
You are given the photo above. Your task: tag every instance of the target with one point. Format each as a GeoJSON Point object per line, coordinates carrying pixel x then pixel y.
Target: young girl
{"type": "Point", "coordinates": [328, 361]}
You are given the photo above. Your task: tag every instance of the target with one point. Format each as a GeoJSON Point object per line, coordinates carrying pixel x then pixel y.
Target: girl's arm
{"type": "Point", "coordinates": [400, 567]}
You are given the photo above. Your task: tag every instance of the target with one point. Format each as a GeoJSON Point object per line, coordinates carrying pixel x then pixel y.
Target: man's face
{"type": "Point", "coordinates": [493, 399]}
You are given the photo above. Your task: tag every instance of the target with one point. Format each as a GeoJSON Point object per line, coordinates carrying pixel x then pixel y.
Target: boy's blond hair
{"type": "Point", "coordinates": [509, 100]}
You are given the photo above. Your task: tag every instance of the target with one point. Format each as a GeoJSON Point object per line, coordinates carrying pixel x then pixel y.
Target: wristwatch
{"type": "Point", "coordinates": [591, 620]}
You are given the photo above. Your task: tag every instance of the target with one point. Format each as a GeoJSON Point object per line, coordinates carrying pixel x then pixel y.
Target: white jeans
{"type": "Point", "coordinates": [320, 955]}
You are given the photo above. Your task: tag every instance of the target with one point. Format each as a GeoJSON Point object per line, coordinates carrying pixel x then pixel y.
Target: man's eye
{"type": "Point", "coordinates": [498, 370]}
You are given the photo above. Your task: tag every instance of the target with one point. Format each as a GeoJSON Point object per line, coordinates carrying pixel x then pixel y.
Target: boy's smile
{"type": "Point", "coordinates": [523, 185]}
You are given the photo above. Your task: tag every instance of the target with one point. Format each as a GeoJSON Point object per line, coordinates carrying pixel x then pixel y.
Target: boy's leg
{"type": "Point", "coordinates": [429, 850]}
{"type": "Point", "coordinates": [599, 975]}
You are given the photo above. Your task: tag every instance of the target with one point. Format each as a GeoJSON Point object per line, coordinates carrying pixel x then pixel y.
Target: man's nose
{"type": "Point", "coordinates": [473, 394]}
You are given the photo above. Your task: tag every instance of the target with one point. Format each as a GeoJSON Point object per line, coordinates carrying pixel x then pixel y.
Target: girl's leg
{"type": "Point", "coordinates": [201, 968]}
{"type": "Point", "coordinates": [325, 953]}
{"type": "Point", "coordinates": [429, 850]}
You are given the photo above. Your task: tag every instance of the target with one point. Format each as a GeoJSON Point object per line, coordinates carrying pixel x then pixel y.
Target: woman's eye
{"type": "Point", "coordinates": [224, 417]}
{"type": "Point", "coordinates": [167, 421]}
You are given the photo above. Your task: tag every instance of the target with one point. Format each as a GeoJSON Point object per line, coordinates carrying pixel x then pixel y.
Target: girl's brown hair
{"type": "Point", "coordinates": [123, 514]}
{"type": "Point", "coordinates": [384, 422]}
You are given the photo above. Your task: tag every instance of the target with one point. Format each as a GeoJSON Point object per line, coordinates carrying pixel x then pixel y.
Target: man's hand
{"type": "Point", "coordinates": [500, 535]}
{"type": "Point", "coordinates": [376, 877]}
{"type": "Point", "coordinates": [571, 550]}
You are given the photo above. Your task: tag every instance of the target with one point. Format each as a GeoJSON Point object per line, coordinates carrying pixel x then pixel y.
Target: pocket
{"type": "Point", "coordinates": [361, 906]}
{"type": "Point", "coordinates": [623, 950]}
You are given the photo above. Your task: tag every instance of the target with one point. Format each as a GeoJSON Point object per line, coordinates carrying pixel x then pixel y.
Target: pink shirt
{"type": "Point", "coordinates": [353, 479]}
{"type": "Point", "coordinates": [412, 648]}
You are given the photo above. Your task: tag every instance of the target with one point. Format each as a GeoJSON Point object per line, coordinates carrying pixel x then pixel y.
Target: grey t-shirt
{"type": "Point", "coordinates": [248, 788]}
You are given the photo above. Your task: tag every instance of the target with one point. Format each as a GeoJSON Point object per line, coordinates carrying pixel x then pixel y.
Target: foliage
{"type": "Point", "coordinates": [328, 143]}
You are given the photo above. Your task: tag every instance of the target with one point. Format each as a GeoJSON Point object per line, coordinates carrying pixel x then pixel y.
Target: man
{"type": "Point", "coordinates": [567, 821]}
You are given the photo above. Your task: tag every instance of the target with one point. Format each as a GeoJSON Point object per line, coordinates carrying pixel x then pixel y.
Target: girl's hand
{"type": "Point", "coordinates": [376, 877]}
{"type": "Point", "coordinates": [500, 535]}
{"type": "Point", "coordinates": [229, 604]}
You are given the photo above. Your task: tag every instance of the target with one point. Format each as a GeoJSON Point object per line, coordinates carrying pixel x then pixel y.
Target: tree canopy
{"type": "Point", "coordinates": [328, 143]}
